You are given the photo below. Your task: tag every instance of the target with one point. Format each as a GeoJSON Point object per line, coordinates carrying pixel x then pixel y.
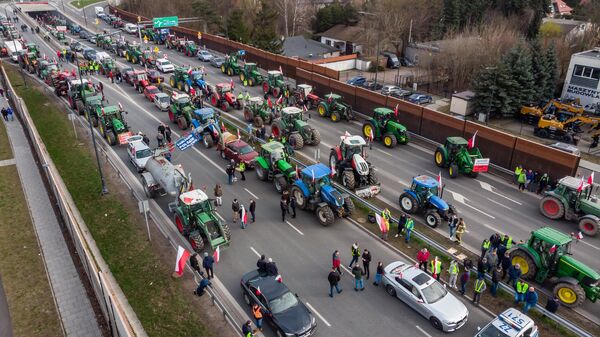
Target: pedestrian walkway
{"type": "Point", "coordinates": [5, 323]}
{"type": "Point", "coordinates": [74, 306]}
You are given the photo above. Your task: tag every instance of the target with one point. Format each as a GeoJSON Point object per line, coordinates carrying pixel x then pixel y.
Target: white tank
{"type": "Point", "coordinates": [170, 177]}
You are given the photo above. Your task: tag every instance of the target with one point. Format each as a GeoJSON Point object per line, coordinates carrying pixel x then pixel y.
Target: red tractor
{"type": "Point", "coordinates": [223, 97]}
{"type": "Point", "coordinates": [174, 42]}
{"type": "Point", "coordinates": [60, 82]}
{"type": "Point", "coordinates": [138, 79]}
{"type": "Point", "coordinates": [303, 95]}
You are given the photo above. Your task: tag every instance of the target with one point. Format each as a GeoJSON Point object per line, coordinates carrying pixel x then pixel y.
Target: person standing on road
{"type": "Point", "coordinates": [481, 267]}
{"type": "Point", "coordinates": [485, 245]}
{"type": "Point", "coordinates": [552, 304]}
{"type": "Point", "coordinates": [452, 225]}
{"type": "Point", "coordinates": [514, 273]}
{"type": "Point", "coordinates": [379, 273]}
{"type": "Point", "coordinates": [5, 114]}
{"type": "Point", "coordinates": [358, 280]}
{"type": "Point", "coordinates": [410, 225]}
{"type": "Point", "coordinates": [366, 260]}
{"type": "Point", "coordinates": [505, 263]}
{"type": "Point", "coordinates": [460, 230]}
{"type": "Point", "coordinates": [258, 315]}
{"type": "Point", "coordinates": [478, 289]}
{"type": "Point", "coordinates": [544, 179]}
{"type": "Point", "coordinates": [492, 260]}
{"type": "Point", "coordinates": [401, 224]}
{"type": "Point", "coordinates": [355, 251]}
{"type": "Point", "coordinates": [453, 271]}
{"type": "Point", "coordinates": [194, 262]}
{"type": "Point", "coordinates": [464, 279]}
{"type": "Point", "coordinates": [435, 268]}
{"type": "Point", "coordinates": [496, 274]}
{"type": "Point", "coordinates": [235, 208]}
{"type": "Point", "coordinates": [518, 171]}
{"type": "Point", "coordinates": [230, 174]}
{"type": "Point", "coordinates": [520, 291]}
{"type": "Point", "coordinates": [111, 76]}
{"type": "Point", "coordinates": [531, 299]}
{"type": "Point", "coordinates": [284, 208]}
{"type": "Point", "coordinates": [495, 240]}
{"type": "Point", "coordinates": [207, 264]}
{"type": "Point", "coordinates": [261, 264]}
{"type": "Point", "coordinates": [241, 167]}
{"type": "Point", "coordinates": [252, 208]}
{"type": "Point", "coordinates": [336, 262]}
{"type": "Point", "coordinates": [271, 267]}
{"type": "Point", "coordinates": [334, 279]}
{"type": "Point", "coordinates": [423, 258]}
{"type": "Point", "coordinates": [218, 191]}
{"type": "Point", "coordinates": [293, 206]}
{"type": "Point", "coordinates": [521, 180]}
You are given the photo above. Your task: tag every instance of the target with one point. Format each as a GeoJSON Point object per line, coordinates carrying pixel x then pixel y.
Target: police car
{"type": "Point", "coordinates": [510, 323]}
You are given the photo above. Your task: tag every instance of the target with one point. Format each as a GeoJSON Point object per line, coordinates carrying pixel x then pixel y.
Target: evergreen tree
{"type": "Point", "coordinates": [552, 71]}
{"type": "Point", "coordinates": [236, 27]}
{"type": "Point", "coordinates": [539, 68]}
{"type": "Point", "coordinates": [205, 10]}
{"type": "Point", "coordinates": [334, 14]}
{"type": "Point", "coordinates": [518, 62]}
{"type": "Point", "coordinates": [265, 35]}
{"type": "Point", "coordinates": [493, 86]}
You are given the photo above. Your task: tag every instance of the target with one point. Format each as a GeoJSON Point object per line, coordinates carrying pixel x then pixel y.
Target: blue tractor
{"type": "Point", "coordinates": [424, 196]}
{"type": "Point", "coordinates": [197, 81]}
{"type": "Point", "coordinates": [313, 191]}
{"type": "Point", "coordinates": [206, 126]}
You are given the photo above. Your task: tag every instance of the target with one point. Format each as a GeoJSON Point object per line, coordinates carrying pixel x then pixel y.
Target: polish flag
{"type": "Point", "coordinates": [258, 292]}
{"type": "Point", "coordinates": [580, 187]}
{"type": "Point", "coordinates": [102, 109]}
{"type": "Point", "coordinates": [223, 128]}
{"type": "Point", "coordinates": [214, 131]}
{"type": "Point", "coordinates": [553, 249]}
{"type": "Point", "coordinates": [217, 255]}
{"type": "Point", "coordinates": [231, 83]}
{"type": "Point", "coordinates": [332, 174]}
{"type": "Point", "coordinates": [189, 71]}
{"type": "Point", "coordinates": [471, 142]}
{"type": "Point", "coordinates": [278, 278]}
{"type": "Point", "coordinates": [280, 70]}
{"type": "Point", "coordinates": [330, 97]}
{"type": "Point", "coordinates": [371, 137]}
{"type": "Point", "coordinates": [120, 106]}
{"type": "Point", "coordinates": [182, 256]}
{"type": "Point", "coordinates": [238, 133]}
{"type": "Point", "coordinates": [396, 111]}
{"type": "Point", "coordinates": [439, 181]}
{"type": "Point", "coordinates": [269, 102]}
{"type": "Point", "coordinates": [305, 108]}
{"type": "Point", "coordinates": [279, 100]}
{"type": "Point", "coordinates": [313, 176]}
{"type": "Point", "coordinates": [244, 215]}
{"type": "Point", "coordinates": [384, 225]}
{"type": "Point", "coordinates": [347, 134]}
{"type": "Point", "coordinates": [591, 178]}
{"type": "Point", "coordinates": [579, 236]}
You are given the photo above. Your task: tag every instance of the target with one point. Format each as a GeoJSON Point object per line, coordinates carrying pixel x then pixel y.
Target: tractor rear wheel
{"type": "Point", "coordinates": [229, 71]}
{"type": "Point", "coordinates": [335, 117]}
{"type": "Point", "coordinates": [408, 203]}
{"type": "Point", "coordinates": [207, 140]}
{"type": "Point", "coordinates": [227, 232]}
{"type": "Point", "coordinates": [196, 241]}
{"type": "Point", "coordinates": [543, 133]}
{"type": "Point", "coordinates": [552, 208]}
{"type": "Point", "coordinates": [277, 129]}
{"type": "Point", "coordinates": [265, 86]}
{"type": "Point", "coordinates": [79, 107]}
{"type": "Point", "coordinates": [474, 174]}
{"type": "Point", "coordinates": [276, 92]}
{"type": "Point", "coordinates": [315, 138]}
{"type": "Point", "coordinates": [440, 157]}
{"type": "Point", "coordinates": [348, 180]}
{"type": "Point", "coordinates": [368, 130]}
{"type": "Point", "coordinates": [111, 138]}
{"type": "Point", "coordinates": [280, 184]}
{"type": "Point", "coordinates": [296, 141]}
{"type": "Point", "coordinates": [180, 86]}
{"type": "Point", "coordinates": [223, 68]}
{"type": "Point", "coordinates": [182, 123]}
{"type": "Point", "coordinates": [171, 116]}
{"type": "Point", "coordinates": [389, 140]}
{"type": "Point", "coordinates": [186, 88]}
{"type": "Point", "coordinates": [571, 295]}
{"type": "Point", "coordinates": [225, 106]}
{"type": "Point", "coordinates": [325, 215]}
{"type": "Point", "coordinates": [261, 173]}
{"type": "Point", "coordinates": [588, 225]}
{"type": "Point", "coordinates": [248, 114]}
{"type": "Point", "coordinates": [242, 78]}
{"type": "Point", "coordinates": [95, 121]}
{"type": "Point", "coordinates": [373, 180]}
{"type": "Point", "coordinates": [179, 224]}
{"type": "Point", "coordinates": [453, 170]}
{"type": "Point", "coordinates": [433, 218]}
{"type": "Point", "coordinates": [321, 109]}
{"type": "Point", "coordinates": [258, 122]}
{"type": "Point", "coordinates": [528, 267]}
{"type": "Point", "coordinates": [250, 82]}
{"type": "Point", "coordinates": [348, 206]}
{"type": "Point", "coordinates": [300, 198]}
{"type": "Point", "coordinates": [172, 82]}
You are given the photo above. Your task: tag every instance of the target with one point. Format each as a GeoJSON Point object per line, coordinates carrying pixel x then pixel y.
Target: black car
{"type": "Point", "coordinates": [89, 53]}
{"type": "Point", "coordinates": [281, 308]}
{"type": "Point", "coordinates": [401, 93]}
{"type": "Point", "coordinates": [371, 85]}
{"type": "Point", "coordinates": [83, 34]}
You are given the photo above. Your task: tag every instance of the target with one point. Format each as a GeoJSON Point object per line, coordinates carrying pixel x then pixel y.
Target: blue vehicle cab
{"type": "Point", "coordinates": [313, 191]}
{"type": "Point", "coordinates": [197, 80]}
{"type": "Point", "coordinates": [425, 196]}
{"type": "Point", "coordinates": [206, 126]}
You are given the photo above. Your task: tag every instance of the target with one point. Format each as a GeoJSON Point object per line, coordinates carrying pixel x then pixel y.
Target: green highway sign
{"type": "Point", "coordinates": [164, 22]}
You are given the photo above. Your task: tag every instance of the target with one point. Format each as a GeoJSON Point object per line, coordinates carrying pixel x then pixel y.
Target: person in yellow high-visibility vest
{"type": "Point", "coordinates": [435, 268]}
{"type": "Point", "coordinates": [479, 288]}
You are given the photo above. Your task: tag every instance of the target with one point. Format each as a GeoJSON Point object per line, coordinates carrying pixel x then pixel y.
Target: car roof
{"type": "Point", "coordinates": [161, 94]}
{"type": "Point", "coordinates": [516, 325]}
{"type": "Point", "coordinates": [137, 142]}
{"type": "Point", "coordinates": [319, 170]}
{"type": "Point", "coordinates": [425, 181]}
{"type": "Point", "coordinates": [269, 287]}
{"type": "Point", "coordinates": [151, 87]}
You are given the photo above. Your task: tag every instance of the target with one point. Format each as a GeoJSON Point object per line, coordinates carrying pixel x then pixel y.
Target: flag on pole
{"type": "Point", "coordinates": [279, 100]}
{"type": "Point", "coordinates": [258, 292]}
{"type": "Point", "coordinates": [269, 102]}
{"type": "Point", "coordinates": [396, 111]}
{"type": "Point", "coordinates": [579, 236]}
{"type": "Point", "coordinates": [313, 176]}
{"type": "Point", "coordinates": [332, 170]}
{"type": "Point", "coordinates": [347, 134]}
{"type": "Point", "coordinates": [371, 137]}
{"type": "Point", "coordinates": [182, 256]}
{"type": "Point", "coordinates": [305, 108]}
{"type": "Point", "coordinates": [280, 70]}
{"type": "Point", "coordinates": [189, 71]}
{"type": "Point", "coordinates": [553, 249]}
{"type": "Point", "coordinates": [591, 178]}
{"type": "Point", "coordinates": [223, 128]}
{"type": "Point", "coordinates": [120, 106]}
{"type": "Point", "coordinates": [102, 110]}
{"type": "Point", "coordinates": [297, 172]}
{"type": "Point", "coordinates": [278, 278]}
{"type": "Point", "coordinates": [439, 181]}
{"type": "Point", "coordinates": [217, 255]}
{"type": "Point", "coordinates": [471, 142]}
{"type": "Point", "coordinates": [330, 98]}
{"type": "Point", "coordinates": [382, 222]}
{"type": "Point", "coordinates": [580, 187]}
{"type": "Point", "coordinates": [244, 215]}
{"type": "Point", "coordinates": [231, 83]}
{"type": "Point", "coordinates": [238, 133]}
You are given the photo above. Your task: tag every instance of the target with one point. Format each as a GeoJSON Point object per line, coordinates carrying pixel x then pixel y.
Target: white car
{"type": "Point", "coordinates": [165, 66]}
{"type": "Point", "coordinates": [205, 56]}
{"type": "Point", "coordinates": [99, 11]}
{"type": "Point", "coordinates": [510, 323]}
{"type": "Point", "coordinates": [162, 101]}
{"type": "Point", "coordinates": [138, 152]}
{"type": "Point", "coordinates": [131, 28]}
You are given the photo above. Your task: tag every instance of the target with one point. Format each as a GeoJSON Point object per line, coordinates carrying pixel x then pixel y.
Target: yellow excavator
{"type": "Point", "coordinates": [549, 126]}
{"type": "Point", "coordinates": [562, 109]}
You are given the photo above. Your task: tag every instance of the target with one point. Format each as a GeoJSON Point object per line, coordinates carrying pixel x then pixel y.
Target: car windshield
{"type": "Point", "coordinates": [145, 153]}
{"type": "Point", "coordinates": [163, 99]}
{"type": "Point", "coordinates": [492, 331]}
{"type": "Point", "coordinates": [153, 91]}
{"type": "Point", "coordinates": [244, 149]}
{"type": "Point", "coordinates": [434, 292]}
{"type": "Point", "coordinates": [197, 76]}
{"type": "Point", "coordinates": [183, 100]}
{"type": "Point", "coordinates": [283, 303]}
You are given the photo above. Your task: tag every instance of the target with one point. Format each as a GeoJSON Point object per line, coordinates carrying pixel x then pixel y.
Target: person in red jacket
{"type": "Point", "coordinates": [423, 257]}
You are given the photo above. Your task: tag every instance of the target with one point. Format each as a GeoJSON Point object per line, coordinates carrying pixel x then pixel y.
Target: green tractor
{"type": "Point", "coordinates": [333, 107]}
{"type": "Point", "coordinates": [292, 126]}
{"type": "Point", "coordinates": [383, 127]}
{"type": "Point", "coordinates": [89, 107]}
{"type": "Point", "coordinates": [133, 53]}
{"type": "Point", "coordinates": [149, 34]}
{"type": "Point", "coordinates": [197, 221]}
{"type": "Point", "coordinates": [111, 124]}
{"type": "Point", "coordinates": [190, 49]}
{"type": "Point", "coordinates": [32, 48]}
{"type": "Point", "coordinates": [46, 69]}
{"type": "Point", "coordinates": [181, 110]}
{"type": "Point", "coordinates": [275, 85]}
{"type": "Point", "coordinates": [572, 199]}
{"type": "Point", "coordinates": [546, 256]}
{"type": "Point", "coordinates": [457, 157]}
{"type": "Point", "coordinates": [76, 89]}
{"type": "Point", "coordinates": [258, 112]}
{"type": "Point", "coordinates": [273, 163]}
{"type": "Point", "coordinates": [230, 66]}
{"type": "Point", "coordinates": [250, 75]}
{"type": "Point", "coordinates": [107, 65]}
{"type": "Point", "coordinates": [180, 79]}
{"type": "Point", "coordinates": [103, 41]}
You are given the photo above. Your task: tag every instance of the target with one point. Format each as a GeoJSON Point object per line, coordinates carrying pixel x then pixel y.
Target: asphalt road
{"type": "Point", "coordinates": [487, 203]}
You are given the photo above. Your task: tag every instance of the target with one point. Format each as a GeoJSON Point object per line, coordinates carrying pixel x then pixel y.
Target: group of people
{"type": "Point", "coordinates": [358, 272]}
{"type": "Point", "coordinates": [7, 114]}
{"type": "Point", "coordinates": [89, 67]}
{"type": "Point", "coordinates": [287, 204]}
{"type": "Point", "coordinates": [533, 181]}
{"type": "Point", "coordinates": [238, 210]}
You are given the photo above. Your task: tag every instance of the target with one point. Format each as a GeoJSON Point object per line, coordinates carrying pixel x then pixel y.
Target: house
{"type": "Point", "coordinates": [582, 81]}
{"type": "Point", "coordinates": [559, 7]}
{"type": "Point", "coordinates": [347, 39]}
{"type": "Point", "coordinates": [307, 49]}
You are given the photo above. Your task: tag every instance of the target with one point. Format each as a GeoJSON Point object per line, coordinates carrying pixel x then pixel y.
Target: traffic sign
{"type": "Point", "coordinates": [145, 39]}
{"type": "Point", "coordinates": [167, 21]}
{"type": "Point", "coordinates": [156, 50]}
{"type": "Point", "coordinates": [186, 142]}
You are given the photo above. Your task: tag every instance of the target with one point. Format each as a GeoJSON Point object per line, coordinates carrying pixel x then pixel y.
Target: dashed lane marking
{"type": "Point", "coordinates": [294, 227]}
{"type": "Point", "coordinates": [318, 314]}
{"type": "Point", "coordinates": [252, 194]}
{"type": "Point", "coordinates": [254, 251]}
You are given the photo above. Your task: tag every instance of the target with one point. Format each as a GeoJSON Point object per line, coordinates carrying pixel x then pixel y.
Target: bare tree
{"type": "Point", "coordinates": [295, 15]}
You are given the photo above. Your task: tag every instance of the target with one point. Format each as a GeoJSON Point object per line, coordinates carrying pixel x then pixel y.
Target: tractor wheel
{"type": "Point", "coordinates": [348, 206]}
{"type": "Point", "coordinates": [229, 72]}
{"type": "Point", "coordinates": [207, 141]}
{"type": "Point", "coordinates": [300, 198]}
{"type": "Point", "coordinates": [588, 225]}
{"type": "Point", "coordinates": [250, 82]}
{"type": "Point", "coordinates": [172, 82]}
{"type": "Point", "coordinates": [227, 232]}
{"type": "Point", "coordinates": [440, 157]}
{"type": "Point", "coordinates": [95, 121]}
{"type": "Point", "coordinates": [335, 117]}
{"type": "Point", "coordinates": [102, 130]}
{"type": "Point", "coordinates": [265, 86]}
{"type": "Point", "coordinates": [277, 129]}
{"type": "Point", "coordinates": [111, 138]}
{"type": "Point", "coordinates": [567, 138]}
{"type": "Point", "coordinates": [280, 184]}
{"type": "Point", "coordinates": [179, 224]}
{"type": "Point", "coordinates": [180, 86]}
{"type": "Point", "coordinates": [322, 109]}
{"type": "Point", "coordinates": [276, 92]}
{"type": "Point", "coordinates": [171, 116]}
{"type": "Point", "coordinates": [225, 106]}
{"type": "Point", "coordinates": [325, 215]}
{"type": "Point", "coordinates": [368, 130]}
{"type": "Point", "coordinates": [242, 78]}
{"type": "Point", "coordinates": [182, 123]}
{"type": "Point", "coordinates": [528, 266]}
{"type": "Point", "coordinates": [552, 208]}
{"type": "Point", "coordinates": [149, 193]}
{"type": "Point", "coordinates": [268, 118]}
{"type": "Point", "coordinates": [433, 218]}
{"type": "Point", "coordinates": [453, 170]}
{"type": "Point", "coordinates": [373, 180]}
{"type": "Point", "coordinates": [570, 295]}
{"type": "Point", "coordinates": [223, 68]}
{"type": "Point", "coordinates": [186, 88]}
{"type": "Point", "coordinates": [261, 173]}
{"type": "Point", "coordinates": [389, 140]}
{"type": "Point", "coordinates": [543, 133]}
{"type": "Point", "coordinates": [408, 203]}
{"type": "Point", "coordinates": [348, 180]}
{"type": "Point", "coordinates": [315, 137]}
{"type": "Point", "coordinates": [196, 241]}
{"type": "Point", "coordinates": [127, 56]}
{"type": "Point", "coordinates": [258, 122]}
{"type": "Point", "coordinates": [248, 114]}
{"type": "Point", "coordinates": [296, 141]}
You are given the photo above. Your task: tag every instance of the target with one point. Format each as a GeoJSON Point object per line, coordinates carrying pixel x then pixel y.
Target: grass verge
{"type": "Point", "coordinates": [158, 300]}
{"type": "Point", "coordinates": [82, 3]}
{"type": "Point", "coordinates": [24, 277]}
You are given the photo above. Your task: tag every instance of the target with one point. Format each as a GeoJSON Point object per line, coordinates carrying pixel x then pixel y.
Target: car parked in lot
{"type": "Point", "coordinates": [162, 101]}
{"type": "Point", "coordinates": [238, 150]}
{"type": "Point", "coordinates": [283, 310]}
{"type": "Point", "coordinates": [420, 98]}
{"type": "Point", "coordinates": [388, 89]}
{"type": "Point", "coordinates": [165, 65]}
{"type": "Point", "coordinates": [357, 80]}
{"type": "Point", "coordinates": [401, 93]}
{"type": "Point", "coordinates": [138, 152]}
{"type": "Point", "coordinates": [510, 323]}
{"type": "Point", "coordinates": [150, 92]}
{"type": "Point", "coordinates": [217, 62]}
{"type": "Point", "coordinates": [370, 85]}
{"type": "Point", "coordinates": [205, 56]}
{"type": "Point", "coordinates": [425, 295]}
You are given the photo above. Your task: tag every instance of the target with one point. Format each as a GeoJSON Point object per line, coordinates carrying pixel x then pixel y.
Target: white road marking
{"type": "Point", "coordinates": [423, 331]}
{"type": "Point", "coordinates": [460, 198]}
{"type": "Point", "coordinates": [346, 270]}
{"type": "Point", "coordinates": [294, 227]}
{"type": "Point", "coordinates": [254, 251]}
{"type": "Point", "coordinates": [318, 314]}
{"type": "Point", "coordinates": [252, 194]}
{"type": "Point", "coordinates": [403, 183]}
{"type": "Point", "coordinates": [489, 188]}
{"type": "Point", "coordinates": [328, 145]}
{"type": "Point", "coordinates": [418, 147]}
{"type": "Point", "coordinates": [433, 174]}
{"type": "Point", "coordinates": [384, 152]}
{"type": "Point", "coordinates": [588, 244]}
{"type": "Point", "coordinates": [499, 204]}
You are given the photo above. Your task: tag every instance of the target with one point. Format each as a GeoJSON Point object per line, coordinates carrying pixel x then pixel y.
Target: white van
{"type": "Point", "coordinates": [99, 10]}
{"type": "Point", "coordinates": [12, 48]}
{"type": "Point", "coordinates": [131, 28]}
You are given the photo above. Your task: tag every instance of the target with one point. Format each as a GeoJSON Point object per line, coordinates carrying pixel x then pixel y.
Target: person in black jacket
{"type": "Point", "coordinates": [366, 260]}
{"type": "Point", "coordinates": [552, 304]}
{"type": "Point", "coordinates": [194, 262]}
{"type": "Point", "coordinates": [271, 268]}
{"type": "Point", "coordinates": [262, 264]}
{"type": "Point", "coordinates": [505, 263]}
{"type": "Point", "coordinates": [334, 279]}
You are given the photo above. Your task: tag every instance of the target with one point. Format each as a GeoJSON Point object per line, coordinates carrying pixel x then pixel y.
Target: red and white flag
{"type": "Point", "coordinates": [347, 134]}
{"type": "Point", "coordinates": [120, 106]}
{"type": "Point", "coordinates": [258, 292]}
{"type": "Point", "coordinates": [471, 142]}
{"type": "Point", "coordinates": [591, 178]}
{"type": "Point", "coordinates": [102, 110]}
{"type": "Point", "coordinates": [579, 236]}
{"type": "Point", "coordinates": [305, 108]}
{"type": "Point", "coordinates": [182, 256]}
{"type": "Point", "coordinates": [297, 172]}
{"type": "Point", "coordinates": [580, 187]}
{"type": "Point", "coordinates": [371, 136]}
{"type": "Point", "coordinates": [217, 254]}
{"type": "Point", "coordinates": [439, 180]}
{"type": "Point", "coordinates": [280, 70]}
{"type": "Point", "coordinates": [278, 278]}
{"type": "Point", "coordinates": [269, 102]}
{"type": "Point", "coordinates": [238, 133]}
{"type": "Point", "coordinates": [231, 83]}
{"type": "Point", "coordinates": [330, 98]}
{"type": "Point", "coordinates": [396, 111]}
{"type": "Point", "coordinates": [382, 222]}
{"type": "Point", "coordinates": [189, 71]}
{"type": "Point", "coordinates": [223, 128]}
{"type": "Point", "coordinates": [244, 215]}
{"type": "Point", "coordinates": [279, 100]}
{"type": "Point", "coordinates": [332, 174]}
{"type": "Point", "coordinates": [553, 249]}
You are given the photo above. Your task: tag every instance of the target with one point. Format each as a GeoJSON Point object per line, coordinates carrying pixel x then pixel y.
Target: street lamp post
{"type": "Point", "coordinates": [15, 46]}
